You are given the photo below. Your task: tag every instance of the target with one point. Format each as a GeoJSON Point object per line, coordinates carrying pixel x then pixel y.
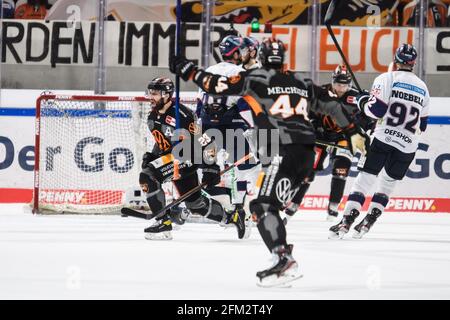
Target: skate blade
{"type": "Point", "coordinates": [360, 234]}
{"type": "Point", "coordinates": [278, 282]}
{"type": "Point", "coordinates": [248, 229]}
{"type": "Point", "coordinates": [333, 235]}
{"type": "Point", "coordinates": [342, 234]}
{"type": "Point", "coordinates": [159, 236]}
{"type": "Point", "coordinates": [226, 225]}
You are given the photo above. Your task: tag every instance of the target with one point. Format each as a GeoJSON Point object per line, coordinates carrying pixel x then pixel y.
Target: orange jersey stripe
{"type": "Point", "coordinates": [256, 107]}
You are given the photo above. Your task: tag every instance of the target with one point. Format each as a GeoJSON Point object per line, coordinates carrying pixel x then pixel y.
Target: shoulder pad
{"type": "Point", "coordinates": [307, 81]}
{"type": "Point", "coordinates": [353, 91]}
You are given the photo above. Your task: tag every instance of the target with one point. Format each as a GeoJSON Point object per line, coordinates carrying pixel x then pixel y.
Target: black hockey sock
{"type": "Point", "coordinates": [156, 200]}
{"type": "Point", "coordinates": [304, 186]}
{"type": "Point", "coordinates": [337, 189]}
{"type": "Point", "coordinates": [272, 230]}
{"type": "Point", "coordinates": [341, 167]}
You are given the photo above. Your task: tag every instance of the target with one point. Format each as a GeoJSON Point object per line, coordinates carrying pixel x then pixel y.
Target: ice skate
{"type": "Point", "coordinates": [332, 215]}
{"type": "Point", "coordinates": [226, 220]}
{"type": "Point", "coordinates": [238, 217]}
{"type": "Point", "coordinates": [283, 271]}
{"type": "Point", "coordinates": [364, 226]}
{"type": "Point", "coordinates": [178, 215]}
{"type": "Point", "coordinates": [160, 230]}
{"type": "Point", "coordinates": [339, 230]}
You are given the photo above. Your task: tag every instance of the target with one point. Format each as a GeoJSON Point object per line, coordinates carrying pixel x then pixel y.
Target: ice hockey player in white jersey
{"type": "Point", "coordinates": [223, 113]}
{"type": "Point", "coordinates": [399, 100]}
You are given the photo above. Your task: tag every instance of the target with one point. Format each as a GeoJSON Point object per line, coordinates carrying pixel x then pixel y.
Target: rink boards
{"type": "Point", "coordinates": [426, 187]}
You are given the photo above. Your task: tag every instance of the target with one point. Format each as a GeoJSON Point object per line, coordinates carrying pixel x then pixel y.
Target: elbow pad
{"type": "Point", "coordinates": [423, 123]}
{"type": "Point", "coordinates": [375, 108]}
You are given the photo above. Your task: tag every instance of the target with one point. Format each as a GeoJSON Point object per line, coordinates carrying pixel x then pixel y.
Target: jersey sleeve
{"type": "Point", "coordinates": [424, 114]}
{"type": "Point", "coordinates": [245, 112]}
{"type": "Point", "coordinates": [381, 88]}
{"type": "Point", "coordinates": [426, 105]}
{"type": "Point", "coordinates": [217, 84]}
{"type": "Point", "coordinates": [377, 105]}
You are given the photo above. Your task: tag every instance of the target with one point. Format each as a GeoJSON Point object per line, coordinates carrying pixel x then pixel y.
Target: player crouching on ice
{"type": "Point", "coordinates": [158, 165]}
{"type": "Point", "coordinates": [279, 101]}
{"type": "Point", "coordinates": [399, 100]}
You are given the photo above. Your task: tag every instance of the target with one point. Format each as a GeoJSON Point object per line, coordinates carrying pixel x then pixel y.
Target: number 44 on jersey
{"type": "Point", "coordinates": [282, 106]}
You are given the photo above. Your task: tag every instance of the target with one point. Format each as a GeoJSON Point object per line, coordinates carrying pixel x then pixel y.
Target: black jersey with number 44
{"type": "Point", "coordinates": [279, 100]}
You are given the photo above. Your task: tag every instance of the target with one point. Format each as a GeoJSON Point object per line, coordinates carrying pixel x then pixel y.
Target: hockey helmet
{"type": "Point", "coordinates": [251, 43]}
{"type": "Point", "coordinates": [271, 53]}
{"type": "Point", "coordinates": [165, 85]}
{"type": "Point", "coordinates": [406, 54]}
{"type": "Point", "coordinates": [341, 75]}
{"type": "Point", "coordinates": [229, 45]}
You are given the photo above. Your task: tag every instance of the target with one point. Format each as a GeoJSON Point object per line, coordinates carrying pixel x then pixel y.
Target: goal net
{"type": "Point", "coordinates": [88, 152]}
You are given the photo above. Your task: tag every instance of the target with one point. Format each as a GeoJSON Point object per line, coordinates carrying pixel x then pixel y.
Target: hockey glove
{"type": "Point", "coordinates": [182, 67]}
{"type": "Point", "coordinates": [361, 99]}
{"type": "Point", "coordinates": [358, 140]}
{"type": "Point", "coordinates": [211, 175]}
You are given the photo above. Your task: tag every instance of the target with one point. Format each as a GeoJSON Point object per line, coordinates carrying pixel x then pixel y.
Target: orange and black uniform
{"type": "Point", "coordinates": [158, 165]}
{"type": "Point", "coordinates": [280, 102]}
{"type": "Point", "coordinates": [328, 131]}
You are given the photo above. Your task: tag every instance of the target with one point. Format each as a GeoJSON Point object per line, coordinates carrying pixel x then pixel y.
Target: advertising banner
{"type": "Point", "coordinates": [426, 187]}
{"type": "Point", "coordinates": [141, 44]}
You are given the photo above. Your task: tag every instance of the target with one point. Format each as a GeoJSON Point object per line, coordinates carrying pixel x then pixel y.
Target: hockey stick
{"type": "Point", "coordinates": [177, 53]}
{"type": "Point", "coordinates": [327, 19]}
{"type": "Point", "coordinates": [148, 216]}
{"type": "Point", "coordinates": [331, 145]}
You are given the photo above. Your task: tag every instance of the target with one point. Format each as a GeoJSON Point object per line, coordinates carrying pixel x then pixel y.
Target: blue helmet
{"type": "Point", "coordinates": [251, 43]}
{"type": "Point", "coordinates": [406, 54]}
{"type": "Point", "coordinates": [229, 45]}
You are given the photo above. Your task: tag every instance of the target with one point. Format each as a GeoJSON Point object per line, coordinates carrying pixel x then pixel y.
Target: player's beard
{"type": "Point", "coordinates": [158, 105]}
{"type": "Point", "coordinates": [245, 59]}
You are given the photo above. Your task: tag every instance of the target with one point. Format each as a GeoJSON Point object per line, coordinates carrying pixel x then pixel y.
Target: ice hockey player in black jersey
{"type": "Point", "coordinates": [158, 165]}
{"type": "Point", "coordinates": [280, 101]}
{"type": "Point", "coordinates": [328, 131]}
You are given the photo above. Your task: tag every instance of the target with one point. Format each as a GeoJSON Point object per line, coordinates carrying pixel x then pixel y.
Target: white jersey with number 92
{"type": "Point", "coordinates": [407, 99]}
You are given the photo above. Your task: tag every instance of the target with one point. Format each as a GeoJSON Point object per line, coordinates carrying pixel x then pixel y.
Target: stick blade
{"type": "Point", "coordinates": [330, 11]}
{"type": "Point", "coordinates": [128, 212]}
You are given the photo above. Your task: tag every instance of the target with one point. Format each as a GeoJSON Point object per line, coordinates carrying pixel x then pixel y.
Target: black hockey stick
{"type": "Point", "coordinates": [331, 145]}
{"type": "Point", "coordinates": [327, 19]}
{"type": "Point", "coordinates": [148, 216]}
{"type": "Point", "coordinates": [177, 53]}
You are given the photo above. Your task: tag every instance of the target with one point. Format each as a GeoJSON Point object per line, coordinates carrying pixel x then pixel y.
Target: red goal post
{"type": "Point", "coordinates": [88, 151]}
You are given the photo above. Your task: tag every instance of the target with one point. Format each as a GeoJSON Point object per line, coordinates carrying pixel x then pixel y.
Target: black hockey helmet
{"type": "Point", "coordinates": [406, 54]}
{"type": "Point", "coordinates": [341, 75]}
{"type": "Point", "coordinates": [271, 53]}
{"type": "Point", "coordinates": [165, 85]}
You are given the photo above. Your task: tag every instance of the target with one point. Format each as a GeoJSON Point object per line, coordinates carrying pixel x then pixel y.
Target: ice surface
{"type": "Point", "coordinates": [405, 256]}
